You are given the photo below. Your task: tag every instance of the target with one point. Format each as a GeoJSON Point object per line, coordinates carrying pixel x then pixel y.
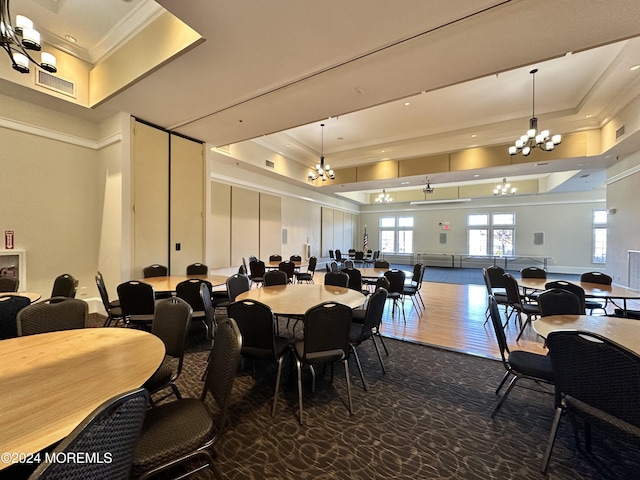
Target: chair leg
{"type": "Point", "coordinates": [382, 341]}
{"type": "Point", "coordinates": [504, 396]}
{"type": "Point", "coordinates": [504, 379]}
{"type": "Point", "coordinates": [299, 369]}
{"type": "Point", "coordinates": [346, 374]}
{"type": "Point", "coordinates": [552, 440]}
{"type": "Point", "coordinates": [355, 354]}
{"type": "Point", "coordinates": [278, 376]}
{"type": "Point", "coordinates": [373, 339]}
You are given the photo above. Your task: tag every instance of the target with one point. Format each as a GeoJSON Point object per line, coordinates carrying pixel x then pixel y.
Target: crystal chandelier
{"type": "Point", "coordinates": [18, 40]}
{"type": "Point", "coordinates": [534, 138]}
{"type": "Point", "coordinates": [504, 188]}
{"type": "Point", "coordinates": [322, 171]}
{"type": "Point", "coordinates": [384, 197]}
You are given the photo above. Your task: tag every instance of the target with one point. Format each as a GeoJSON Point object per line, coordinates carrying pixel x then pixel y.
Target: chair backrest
{"type": "Point", "coordinates": [418, 273]}
{"type": "Point", "coordinates": [189, 291]}
{"type": "Point", "coordinates": [222, 366]}
{"type": "Point", "coordinates": [313, 261]}
{"type": "Point", "coordinates": [256, 323]}
{"type": "Point", "coordinates": [64, 286]}
{"type": "Point", "coordinates": [197, 269]}
{"type": "Point", "coordinates": [331, 255]}
{"type": "Point", "coordinates": [9, 284]}
{"type": "Point", "coordinates": [557, 301]}
{"type": "Point", "coordinates": [498, 330]}
{"type": "Point", "coordinates": [381, 264]}
{"type": "Point", "coordinates": [102, 289]}
{"type": "Point", "coordinates": [351, 251]}
{"type": "Point", "coordinates": [496, 276]}
{"type": "Point", "coordinates": [51, 316]}
{"type": "Point", "coordinates": [533, 272]}
{"type": "Point", "coordinates": [376, 255]}
{"type": "Point", "coordinates": [596, 277]}
{"type": "Point", "coordinates": [275, 277]}
{"type": "Point", "coordinates": [295, 258]}
{"type": "Point", "coordinates": [275, 258]}
{"type": "Point", "coordinates": [333, 266]}
{"type": "Point", "coordinates": [338, 256]}
{"type": "Point", "coordinates": [207, 304]}
{"type": "Point", "coordinates": [337, 279]}
{"type": "Point", "coordinates": [513, 290]}
{"type": "Point", "coordinates": [596, 371]}
{"type": "Point", "coordinates": [288, 267]}
{"type": "Point", "coordinates": [348, 264]}
{"type": "Point", "coordinates": [396, 280]}
{"type": "Point", "coordinates": [136, 298]}
{"type": "Point", "coordinates": [257, 268]}
{"type": "Point", "coordinates": [110, 432]}
{"type": "Point", "coordinates": [155, 270]}
{"type": "Point", "coordinates": [244, 264]}
{"type": "Point", "coordinates": [237, 284]}
{"type": "Point", "coordinates": [9, 308]}
{"type": "Point", "coordinates": [359, 256]}
{"type": "Point", "coordinates": [355, 278]}
{"type": "Point", "coordinates": [571, 287]}
{"type": "Point", "coordinates": [487, 281]}
{"type": "Point", "coordinates": [326, 329]}
{"type": "Point", "coordinates": [171, 322]}
{"type": "Point", "coordinates": [375, 309]}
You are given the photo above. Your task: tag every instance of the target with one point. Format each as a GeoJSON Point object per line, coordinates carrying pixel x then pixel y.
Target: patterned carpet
{"type": "Point", "coordinates": [427, 418]}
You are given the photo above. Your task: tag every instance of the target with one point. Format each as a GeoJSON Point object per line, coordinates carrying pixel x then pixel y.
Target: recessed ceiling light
{"type": "Point", "coordinates": [70, 38]}
{"type": "Point", "coordinates": [635, 67]}
{"type": "Point", "coordinates": [340, 138]}
{"type": "Point", "coordinates": [473, 135]}
{"type": "Point", "coordinates": [406, 104]}
{"type": "Point", "coordinates": [588, 115]}
{"type": "Point", "coordinates": [542, 164]}
{"type": "Point", "coordinates": [476, 175]}
{"type": "Point", "coordinates": [404, 183]}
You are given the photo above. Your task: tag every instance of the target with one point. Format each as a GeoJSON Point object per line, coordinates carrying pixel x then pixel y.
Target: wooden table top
{"type": "Point", "coordinates": [372, 272]}
{"type": "Point", "coordinates": [296, 299]}
{"type": "Point", "coordinates": [277, 264]}
{"type": "Point", "coordinates": [594, 290]}
{"type": "Point", "coordinates": [169, 283]}
{"type": "Point", "coordinates": [32, 296]}
{"type": "Point", "coordinates": [624, 331]}
{"type": "Point", "coordinates": [52, 381]}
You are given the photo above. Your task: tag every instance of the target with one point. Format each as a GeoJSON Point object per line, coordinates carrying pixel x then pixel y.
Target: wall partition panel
{"type": "Point", "coordinates": [348, 239]}
{"type": "Point", "coordinates": [338, 231]}
{"type": "Point", "coordinates": [150, 196]}
{"type": "Point", "coordinates": [219, 226]}
{"type": "Point", "coordinates": [326, 231]}
{"type": "Point", "coordinates": [245, 224]}
{"type": "Point", "coordinates": [271, 237]}
{"type": "Point", "coordinates": [186, 241]}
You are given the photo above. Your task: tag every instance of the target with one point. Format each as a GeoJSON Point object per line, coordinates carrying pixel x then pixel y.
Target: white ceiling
{"type": "Point", "coordinates": [286, 66]}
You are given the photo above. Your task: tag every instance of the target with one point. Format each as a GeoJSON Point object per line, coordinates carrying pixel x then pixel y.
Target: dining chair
{"type": "Point", "coordinates": [557, 301]}
{"type": "Point", "coordinates": [412, 289]}
{"type": "Point", "coordinates": [275, 277]}
{"type": "Point", "coordinates": [9, 308]}
{"type": "Point", "coordinates": [519, 364]}
{"type": "Point", "coordinates": [396, 290]}
{"type": "Point", "coordinates": [517, 305]}
{"type": "Point", "coordinates": [189, 291]}
{"type": "Point", "coordinates": [289, 268]}
{"type": "Point", "coordinates": [257, 269]}
{"type": "Point", "coordinates": [601, 279]}
{"type": "Point", "coordinates": [336, 279]}
{"type": "Point", "coordinates": [171, 321]}
{"type": "Point", "coordinates": [577, 290]}
{"type": "Point", "coordinates": [532, 272]}
{"type": "Point", "coordinates": [275, 258]}
{"type": "Point", "coordinates": [596, 379]}
{"type": "Point", "coordinates": [112, 307]}
{"type": "Point", "coordinates": [295, 258]}
{"type": "Point", "coordinates": [64, 286]}
{"type": "Point", "coordinates": [325, 340]}
{"type": "Point", "coordinates": [381, 264]}
{"type": "Point", "coordinates": [52, 315]}
{"type": "Point", "coordinates": [499, 295]}
{"type": "Point", "coordinates": [197, 269]}
{"type": "Point", "coordinates": [178, 434]}
{"type": "Point", "coordinates": [138, 301]}
{"type": "Point", "coordinates": [355, 280]}
{"type": "Point", "coordinates": [358, 258]}
{"type": "Point", "coordinates": [110, 433]}
{"type": "Point", "coordinates": [236, 284]}
{"type": "Point", "coordinates": [369, 328]}
{"type": "Point", "coordinates": [9, 284]}
{"type": "Point", "coordinates": [260, 341]}
{"type": "Point", "coordinates": [308, 275]}
{"type": "Point", "coordinates": [155, 270]}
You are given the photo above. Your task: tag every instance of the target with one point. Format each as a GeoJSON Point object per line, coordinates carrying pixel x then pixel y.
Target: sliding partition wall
{"type": "Point", "coordinates": [168, 197]}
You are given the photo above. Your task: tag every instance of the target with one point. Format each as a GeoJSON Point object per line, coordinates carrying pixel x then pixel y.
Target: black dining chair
{"type": "Point", "coordinates": [138, 303]}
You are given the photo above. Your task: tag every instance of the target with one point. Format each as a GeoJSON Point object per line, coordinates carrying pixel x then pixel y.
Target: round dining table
{"type": "Point", "coordinates": [296, 299]}
{"type": "Point", "coordinates": [169, 283]}
{"type": "Point", "coordinates": [32, 296]}
{"type": "Point", "coordinates": [625, 331]}
{"type": "Point", "coordinates": [52, 381]}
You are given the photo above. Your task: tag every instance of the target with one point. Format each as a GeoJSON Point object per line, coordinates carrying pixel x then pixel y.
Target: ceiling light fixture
{"type": "Point", "coordinates": [534, 138]}
{"type": "Point", "coordinates": [428, 188]}
{"type": "Point", "coordinates": [384, 197]}
{"type": "Point", "coordinates": [18, 40]}
{"type": "Point", "coordinates": [322, 171]}
{"type": "Point", "coordinates": [504, 188]}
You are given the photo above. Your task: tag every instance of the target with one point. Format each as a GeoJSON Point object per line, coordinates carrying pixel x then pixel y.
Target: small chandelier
{"type": "Point", "coordinates": [504, 188]}
{"type": "Point", "coordinates": [18, 40]}
{"type": "Point", "coordinates": [384, 197]}
{"type": "Point", "coordinates": [322, 171]}
{"type": "Point", "coordinates": [534, 138]}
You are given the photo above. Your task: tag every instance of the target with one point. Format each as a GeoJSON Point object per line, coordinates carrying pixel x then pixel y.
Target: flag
{"type": "Point", "coordinates": [365, 241]}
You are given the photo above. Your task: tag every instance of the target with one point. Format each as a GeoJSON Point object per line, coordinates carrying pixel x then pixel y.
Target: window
{"type": "Point", "coordinates": [396, 234]}
{"type": "Point", "coordinates": [491, 234]}
{"type": "Point", "coordinates": [599, 236]}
